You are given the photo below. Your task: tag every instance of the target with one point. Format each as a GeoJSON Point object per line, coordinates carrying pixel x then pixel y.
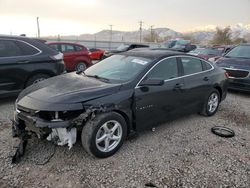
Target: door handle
{"type": "Point", "coordinates": [23, 61]}
{"type": "Point", "coordinates": [178, 86]}
{"type": "Point", "coordinates": [206, 78]}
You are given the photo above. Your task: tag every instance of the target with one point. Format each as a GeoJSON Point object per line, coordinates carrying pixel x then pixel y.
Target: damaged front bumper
{"type": "Point", "coordinates": [59, 131]}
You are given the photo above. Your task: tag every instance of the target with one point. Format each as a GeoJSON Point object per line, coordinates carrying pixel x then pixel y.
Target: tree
{"type": "Point", "coordinates": [222, 36]}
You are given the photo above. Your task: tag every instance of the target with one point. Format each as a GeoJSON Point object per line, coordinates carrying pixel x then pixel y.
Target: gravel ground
{"type": "Point", "coordinates": [183, 153]}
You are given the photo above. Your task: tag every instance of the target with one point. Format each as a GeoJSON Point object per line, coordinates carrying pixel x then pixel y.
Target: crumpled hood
{"type": "Point", "coordinates": [234, 63]}
{"type": "Point", "coordinates": [65, 89]}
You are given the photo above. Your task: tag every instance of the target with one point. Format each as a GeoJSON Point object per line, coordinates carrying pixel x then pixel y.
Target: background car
{"type": "Point", "coordinates": [207, 53]}
{"type": "Point", "coordinates": [180, 45]}
{"type": "Point", "coordinates": [24, 61]}
{"type": "Point", "coordinates": [223, 50]}
{"type": "Point", "coordinates": [125, 93]}
{"type": "Point", "coordinates": [237, 64]}
{"type": "Point", "coordinates": [76, 57]}
{"type": "Point", "coordinates": [96, 54]}
{"type": "Point", "coordinates": [123, 48]}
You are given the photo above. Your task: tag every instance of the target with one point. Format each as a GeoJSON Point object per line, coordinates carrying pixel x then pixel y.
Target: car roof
{"type": "Point", "coordinates": [152, 53]}
{"type": "Point", "coordinates": [59, 42]}
{"type": "Point", "coordinates": [12, 36]}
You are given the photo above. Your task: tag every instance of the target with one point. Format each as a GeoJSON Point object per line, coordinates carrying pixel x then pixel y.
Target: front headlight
{"type": "Point", "coordinates": [15, 107]}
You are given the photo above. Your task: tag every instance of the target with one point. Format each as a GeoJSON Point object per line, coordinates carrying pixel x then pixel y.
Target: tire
{"type": "Point", "coordinates": [81, 66]}
{"type": "Point", "coordinates": [35, 79]}
{"type": "Point", "coordinates": [223, 131]}
{"type": "Point", "coordinates": [207, 109]}
{"type": "Point", "coordinates": [94, 139]}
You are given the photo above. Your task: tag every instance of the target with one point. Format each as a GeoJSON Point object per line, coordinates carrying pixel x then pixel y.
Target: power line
{"type": "Point", "coordinates": [111, 33]}
{"type": "Point", "coordinates": [151, 31]}
{"type": "Point", "coordinates": [140, 22]}
{"type": "Point", "coordinates": [38, 27]}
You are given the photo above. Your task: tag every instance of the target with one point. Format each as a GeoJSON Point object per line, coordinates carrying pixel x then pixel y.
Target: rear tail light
{"type": "Point", "coordinates": [58, 56]}
{"type": "Point", "coordinates": [226, 74]}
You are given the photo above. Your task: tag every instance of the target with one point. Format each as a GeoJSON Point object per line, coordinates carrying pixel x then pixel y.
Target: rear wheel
{"type": "Point", "coordinates": [212, 103]}
{"type": "Point", "coordinates": [104, 135]}
{"type": "Point", "coordinates": [36, 78]}
{"type": "Point", "coordinates": [81, 66]}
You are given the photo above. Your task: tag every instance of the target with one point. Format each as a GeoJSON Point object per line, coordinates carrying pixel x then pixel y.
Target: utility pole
{"type": "Point", "coordinates": [111, 30]}
{"type": "Point", "coordinates": [38, 27]}
{"type": "Point", "coordinates": [151, 31]}
{"type": "Point", "coordinates": [140, 22]}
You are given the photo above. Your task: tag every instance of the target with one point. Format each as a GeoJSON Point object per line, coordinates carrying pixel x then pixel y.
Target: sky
{"type": "Point", "coordinates": [74, 17]}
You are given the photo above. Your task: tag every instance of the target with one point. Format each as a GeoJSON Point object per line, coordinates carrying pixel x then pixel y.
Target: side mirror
{"type": "Point", "coordinates": [152, 82]}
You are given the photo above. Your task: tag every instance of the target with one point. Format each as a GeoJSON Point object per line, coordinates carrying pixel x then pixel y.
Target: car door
{"type": "Point", "coordinates": [14, 57]}
{"type": "Point", "coordinates": [197, 79]}
{"type": "Point", "coordinates": [68, 51]}
{"type": "Point", "coordinates": [155, 104]}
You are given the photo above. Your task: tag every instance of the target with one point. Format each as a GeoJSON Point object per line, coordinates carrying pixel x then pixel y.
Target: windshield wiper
{"type": "Point", "coordinates": [97, 77]}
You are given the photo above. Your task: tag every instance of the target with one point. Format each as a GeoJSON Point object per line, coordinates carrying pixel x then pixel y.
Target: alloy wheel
{"type": "Point", "coordinates": [213, 102]}
{"type": "Point", "coordinates": [109, 136]}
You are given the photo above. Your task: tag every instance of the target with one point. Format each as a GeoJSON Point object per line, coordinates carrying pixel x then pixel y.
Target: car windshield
{"type": "Point", "coordinates": [239, 51]}
{"type": "Point", "coordinates": [123, 47]}
{"type": "Point", "coordinates": [119, 68]}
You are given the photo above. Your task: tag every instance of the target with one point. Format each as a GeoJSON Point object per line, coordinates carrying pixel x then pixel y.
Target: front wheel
{"type": "Point", "coordinates": [81, 66]}
{"type": "Point", "coordinates": [211, 104]}
{"type": "Point", "coordinates": [104, 135]}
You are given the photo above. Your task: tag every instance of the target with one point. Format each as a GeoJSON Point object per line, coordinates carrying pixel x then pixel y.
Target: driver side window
{"type": "Point", "coordinates": [167, 69]}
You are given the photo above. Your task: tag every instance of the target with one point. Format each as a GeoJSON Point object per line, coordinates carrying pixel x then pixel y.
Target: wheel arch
{"type": "Point", "coordinates": [126, 118]}
{"type": "Point", "coordinates": [50, 73]}
{"type": "Point", "coordinates": [218, 88]}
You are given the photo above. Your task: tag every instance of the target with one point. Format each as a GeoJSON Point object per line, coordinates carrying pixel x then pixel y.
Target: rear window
{"type": "Point", "coordinates": [26, 48]}
{"type": "Point", "coordinates": [67, 48]}
{"type": "Point", "coordinates": [191, 65]}
{"type": "Point", "coordinates": [12, 48]}
{"type": "Point", "coordinates": [8, 48]}
{"type": "Point", "coordinates": [78, 48]}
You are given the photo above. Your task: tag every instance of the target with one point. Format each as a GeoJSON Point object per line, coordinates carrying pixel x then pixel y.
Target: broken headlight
{"type": "Point", "coordinates": [59, 115]}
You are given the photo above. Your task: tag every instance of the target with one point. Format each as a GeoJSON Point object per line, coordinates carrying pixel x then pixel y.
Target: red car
{"type": "Point", "coordinates": [76, 57]}
{"type": "Point", "coordinates": [96, 54]}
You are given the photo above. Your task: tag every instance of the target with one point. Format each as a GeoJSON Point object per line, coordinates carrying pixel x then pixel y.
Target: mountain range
{"type": "Point", "coordinates": [200, 34]}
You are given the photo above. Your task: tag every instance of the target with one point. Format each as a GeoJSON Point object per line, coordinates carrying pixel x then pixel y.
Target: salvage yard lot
{"type": "Point", "coordinates": [182, 153]}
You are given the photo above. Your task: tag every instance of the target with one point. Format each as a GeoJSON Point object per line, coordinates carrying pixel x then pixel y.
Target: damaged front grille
{"type": "Point", "coordinates": [234, 73]}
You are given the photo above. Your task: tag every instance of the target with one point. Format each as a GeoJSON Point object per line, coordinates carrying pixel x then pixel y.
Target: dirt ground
{"type": "Point", "coordinates": [181, 153]}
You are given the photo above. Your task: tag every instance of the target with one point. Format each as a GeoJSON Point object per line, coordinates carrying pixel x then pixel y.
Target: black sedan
{"type": "Point", "coordinates": [120, 95]}
{"type": "Point", "coordinates": [24, 61]}
{"type": "Point", "coordinates": [237, 64]}
{"type": "Point", "coordinates": [123, 48]}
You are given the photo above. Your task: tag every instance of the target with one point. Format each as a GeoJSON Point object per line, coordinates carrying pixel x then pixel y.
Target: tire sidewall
{"type": "Point", "coordinates": [108, 117]}
{"type": "Point", "coordinates": [80, 63]}
{"type": "Point", "coordinates": [206, 104]}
